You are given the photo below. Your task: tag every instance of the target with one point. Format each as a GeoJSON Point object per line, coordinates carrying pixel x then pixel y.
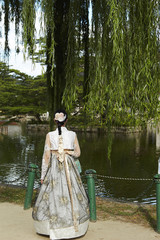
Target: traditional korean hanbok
{"type": "Point", "coordinates": [61, 209]}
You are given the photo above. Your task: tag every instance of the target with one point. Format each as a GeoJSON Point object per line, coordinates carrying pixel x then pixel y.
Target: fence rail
{"type": "Point", "coordinates": [125, 178]}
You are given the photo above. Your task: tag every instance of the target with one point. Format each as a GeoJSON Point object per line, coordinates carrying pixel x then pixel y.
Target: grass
{"type": "Point", "coordinates": [14, 195]}
{"type": "Point", "coordinates": [141, 214]}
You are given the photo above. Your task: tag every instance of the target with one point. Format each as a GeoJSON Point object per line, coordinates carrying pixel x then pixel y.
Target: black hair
{"type": "Point", "coordinates": [60, 124]}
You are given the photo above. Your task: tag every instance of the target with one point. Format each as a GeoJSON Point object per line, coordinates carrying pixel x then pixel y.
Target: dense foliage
{"type": "Point", "coordinates": [116, 52]}
{"type": "Point", "coordinates": [20, 94]}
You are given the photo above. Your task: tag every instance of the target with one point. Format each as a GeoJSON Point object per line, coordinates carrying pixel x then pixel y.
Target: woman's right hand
{"type": "Point", "coordinates": [41, 181]}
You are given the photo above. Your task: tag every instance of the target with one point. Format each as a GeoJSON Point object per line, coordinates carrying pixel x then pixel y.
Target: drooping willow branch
{"type": "Point", "coordinates": [125, 70]}
{"type": "Point", "coordinates": [117, 53]}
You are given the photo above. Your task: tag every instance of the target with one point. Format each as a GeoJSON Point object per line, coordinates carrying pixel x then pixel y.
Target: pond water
{"type": "Point", "coordinates": [133, 155]}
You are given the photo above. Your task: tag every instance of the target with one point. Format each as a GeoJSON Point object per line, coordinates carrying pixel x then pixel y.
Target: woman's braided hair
{"type": "Point", "coordinates": [60, 117]}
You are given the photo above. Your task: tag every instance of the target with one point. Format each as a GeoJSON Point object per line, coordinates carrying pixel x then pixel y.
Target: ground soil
{"type": "Point", "coordinates": [17, 224]}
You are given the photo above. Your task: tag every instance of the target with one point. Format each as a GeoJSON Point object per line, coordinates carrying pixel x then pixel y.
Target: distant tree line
{"type": "Point", "coordinates": [21, 94]}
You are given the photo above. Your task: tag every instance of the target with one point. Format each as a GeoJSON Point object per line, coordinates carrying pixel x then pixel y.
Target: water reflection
{"type": "Point", "coordinates": [154, 131]}
{"type": "Point", "coordinates": [12, 129]}
{"type": "Point", "coordinates": [132, 156]}
{"type": "Point", "coordinates": [158, 137]}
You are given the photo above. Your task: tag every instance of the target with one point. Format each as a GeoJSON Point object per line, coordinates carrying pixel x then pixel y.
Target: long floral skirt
{"type": "Point", "coordinates": [61, 209]}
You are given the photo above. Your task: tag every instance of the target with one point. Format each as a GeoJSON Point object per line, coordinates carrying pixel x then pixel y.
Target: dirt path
{"type": "Point", "coordinates": [17, 224]}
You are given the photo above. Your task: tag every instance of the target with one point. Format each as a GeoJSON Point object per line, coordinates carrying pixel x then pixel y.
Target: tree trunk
{"type": "Point", "coordinates": [61, 40]}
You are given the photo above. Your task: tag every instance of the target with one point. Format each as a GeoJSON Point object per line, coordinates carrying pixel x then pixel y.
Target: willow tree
{"type": "Point", "coordinates": [125, 44]}
{"type": "Point", "coordinates": [117, 49]}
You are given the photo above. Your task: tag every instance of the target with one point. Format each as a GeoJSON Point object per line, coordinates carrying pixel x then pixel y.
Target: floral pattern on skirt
{"type": "Point", "coordinates": [61, 205]}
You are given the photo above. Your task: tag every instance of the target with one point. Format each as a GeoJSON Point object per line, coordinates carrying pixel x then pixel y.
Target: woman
{"type": "Point", "coordinates": [61, 210]}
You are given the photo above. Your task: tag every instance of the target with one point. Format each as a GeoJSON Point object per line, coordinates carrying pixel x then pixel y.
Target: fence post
{"type": "Point", "coordinates": [91, 176]}
{"type": "Point", "coordinates": [30, 184]}
{"type": "Point", "coordinates": [157, 181]}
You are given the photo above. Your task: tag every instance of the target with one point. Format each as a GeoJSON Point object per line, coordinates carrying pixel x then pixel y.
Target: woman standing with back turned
{"type": "Point", "coordinates": [61, 210]}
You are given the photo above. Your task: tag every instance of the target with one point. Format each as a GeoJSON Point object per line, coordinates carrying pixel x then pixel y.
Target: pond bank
{"type": "Point", "coordinates": [33, 124]}
{"type": "Point", "coordinates": [45, 127]}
